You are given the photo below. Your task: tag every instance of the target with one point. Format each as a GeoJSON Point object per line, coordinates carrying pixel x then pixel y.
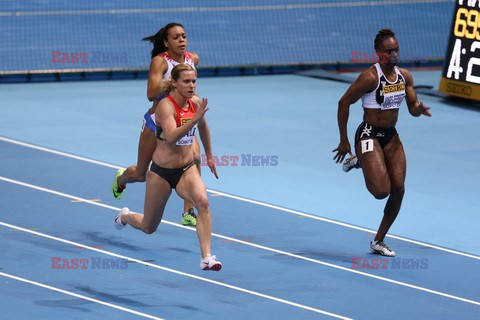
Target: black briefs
{"type": "Point", "coordinates": [172, 176]}
{"type": "Point", "coordinates": [368, 131]}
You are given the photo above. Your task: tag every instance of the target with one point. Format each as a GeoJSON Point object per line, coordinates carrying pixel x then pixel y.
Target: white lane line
{"type": "Point", "coordinates": [299, 213]}
{"type": "Point", "coordinates": [114, 306]}
{"type": "Point", "coordinates": [401, 283]}
{"type": "Point", "coordinates": [343, 224]}
{"type": "Point", "coordinates": [60, 153]}
{"type": "Point", "coordinates": [258, 294]}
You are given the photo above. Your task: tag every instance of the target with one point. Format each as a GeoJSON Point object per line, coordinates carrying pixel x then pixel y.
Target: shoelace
{"type": "Point", "coordinates": [383, 245]}
{"type": "Point", "coordinates": [192, 213]}
{"type": "Point", "coordinates": [212, 257]}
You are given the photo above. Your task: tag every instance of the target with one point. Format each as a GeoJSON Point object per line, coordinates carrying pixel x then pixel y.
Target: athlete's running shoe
{"type": "Point", "coordinates": [210, 262]}
{"type": "Point", "coordinates": [351, 163]}
{"type": "Point", "coordinates": [189, 218]}
{"type": "Point", "coordinates": [381, 248]}
{"type": "Point", "coordinates": [116, 189]}
{"type": "Point", "coordinates": [118, 218]}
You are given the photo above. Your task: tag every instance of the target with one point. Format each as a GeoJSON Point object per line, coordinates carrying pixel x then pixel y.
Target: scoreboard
{"type": "Point", "coordinates": [461, 71]}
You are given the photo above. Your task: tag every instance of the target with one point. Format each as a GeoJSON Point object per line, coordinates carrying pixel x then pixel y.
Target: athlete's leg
{"type": "Point", "coordinates": [396, 166]}
{"type": "Point", "coordinates": [192, 188]}
{"type": "Point", "coordinates": [188, 216]}
{"type": "Point", "coordinates": [156, 196]}
{"type": "Point", "coordinates": [371, 155]}
{"type": "Point", "coordinates": [146, 148]}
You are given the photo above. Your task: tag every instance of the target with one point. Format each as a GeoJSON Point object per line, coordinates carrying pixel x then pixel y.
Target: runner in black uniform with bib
{"type": "Point", "coordinates": [382, 89]}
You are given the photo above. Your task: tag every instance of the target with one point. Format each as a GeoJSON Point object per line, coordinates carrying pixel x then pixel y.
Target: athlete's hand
{"type": "Point", "coordinates": [342, 150]}
{"type": "Point", "coordinates": [211, 165]}
{"type": "Point", "coordinates": [423, 109]}
{"type": "Point", "coordinates": [201, 110]}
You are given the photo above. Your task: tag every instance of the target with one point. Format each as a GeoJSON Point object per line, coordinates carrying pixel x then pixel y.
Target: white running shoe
{"type": "Point", "coordinates": [351, 163]}
{"type": "Point", "coordinates": [381, 248]}
{"type": "Point", "coordinates": [118, 218]}
{"type": "Point", "coordinates": [210, 262]}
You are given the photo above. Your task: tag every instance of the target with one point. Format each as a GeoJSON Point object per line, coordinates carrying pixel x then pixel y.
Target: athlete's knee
{"type": "Point", "coordinates": [379, 191]}
{"type": "Point", "coordinates": [141, 177]}
{"type": "Point", "coordinates": [133, 174]}
{"type": "Point", "coordinates": [379, 195]}
{"type": "Point", "coordinates": [138, 177]}
{"type": "Point", "coordinates": [202, 203]}
{"type": "Point", "coordinates": [149, 229]}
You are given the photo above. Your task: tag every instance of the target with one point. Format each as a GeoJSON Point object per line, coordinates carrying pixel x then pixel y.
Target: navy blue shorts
{"type": "Point", "coordinates": [149, 121]}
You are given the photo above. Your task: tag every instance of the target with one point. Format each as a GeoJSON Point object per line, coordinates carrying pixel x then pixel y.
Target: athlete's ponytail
{"type": "Point", "coordinates": [167, 85]}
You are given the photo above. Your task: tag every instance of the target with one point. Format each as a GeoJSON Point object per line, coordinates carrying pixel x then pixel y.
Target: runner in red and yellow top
{"type": "Point", "coordinates": [177, 118]}
{"type": "Point", "coordinates": [169, 50]}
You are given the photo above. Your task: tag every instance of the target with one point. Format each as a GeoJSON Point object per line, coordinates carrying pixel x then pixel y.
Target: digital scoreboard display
{"type": "Point", "coordinates": [461, 71]}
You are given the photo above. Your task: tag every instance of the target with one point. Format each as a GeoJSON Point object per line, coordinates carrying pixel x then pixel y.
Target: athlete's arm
{"type": "Point", "coordinates": [158, 67]}
{"type": "Point", "coordinates": [195, 58]}
{"type": "Point", "coordinates": [415, 107]}
{"type": "Point", "coordinates": [366, 81]}
{"type": "Point", "coordinates": [204, 131]}
{"type": "Point", "coordinates": [165, 118]}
